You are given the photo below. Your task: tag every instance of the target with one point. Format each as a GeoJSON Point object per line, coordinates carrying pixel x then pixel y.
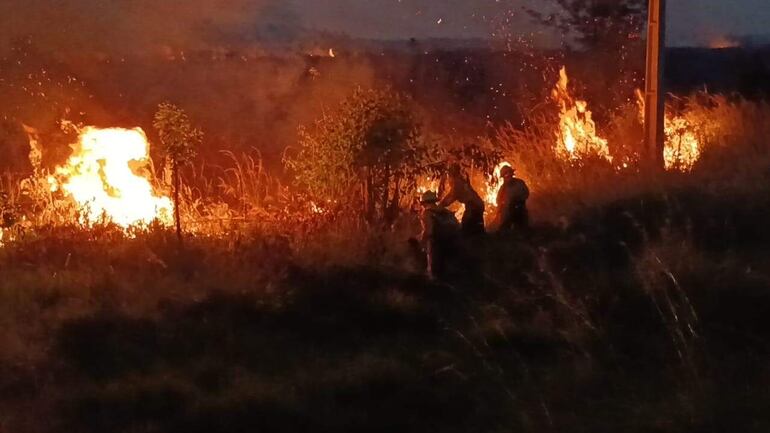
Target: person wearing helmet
{"type": "Point", "coordinates": [512, 202]}
{"type": "Point", "coordinates": [460, 190]}
{"type": "Point", "coordinates": [439, 232]}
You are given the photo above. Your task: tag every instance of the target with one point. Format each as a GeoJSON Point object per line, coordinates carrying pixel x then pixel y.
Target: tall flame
{"type": "Point", "coordinates": [100, 178]}
{"type": "Point", "coordinates": [493, 185]}
{"type": "Point", "coordinates": [576, 136]}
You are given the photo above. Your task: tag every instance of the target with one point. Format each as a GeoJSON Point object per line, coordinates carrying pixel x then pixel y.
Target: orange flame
{"type": "Point", "coordinates": [428, 183]}
{"type": "Point", "coordinates": [682, 149]}
{"type": "Point", "coordinates": [99, 177]}
{"type": "Point", "coordinates": [576, 136]}
{"type": "Point", "coordinates": [493, 185]}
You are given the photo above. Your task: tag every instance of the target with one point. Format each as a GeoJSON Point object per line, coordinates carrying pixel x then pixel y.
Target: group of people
{"type": "Point", "coordinates": [440, 228]}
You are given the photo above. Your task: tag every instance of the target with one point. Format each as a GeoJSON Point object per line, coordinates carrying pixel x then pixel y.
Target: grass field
{"type": "Point", "coordinates": [636, 303]}
{"type": "Point", "coordinates": [646, 313]}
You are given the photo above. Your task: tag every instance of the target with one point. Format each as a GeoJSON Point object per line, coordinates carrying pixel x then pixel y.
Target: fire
{"type": "Point", "coordinates": [682, 149]}
{"type": "Point", "coordinates": [99, 176]}
{"type": "Point", "coordinates": [493, 185]}
{"type": "Point", "coordinates": [428, 183]}
{"type": "Point", "coordinates": [488, 186]}
{"type": "Point", "coordinates": [314, 208]}
{"type": "Point", "coordinates": [723, 42]}
{"type": "Point", "coordinates": [576, 136]}
{"type": "Point", "coordinates": [322, 209]}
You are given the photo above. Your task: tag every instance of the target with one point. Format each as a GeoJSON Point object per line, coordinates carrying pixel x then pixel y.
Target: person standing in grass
{"type": "Point", "coordinates": [460, 190]}
{"type": "Point", "coordinates": [439, 234]}
{"type": "Point", "coordinates": [512, 198]}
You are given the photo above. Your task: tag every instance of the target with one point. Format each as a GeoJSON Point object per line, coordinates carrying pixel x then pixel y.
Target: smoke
{"type": "Point", "coordinates": [238, 67]}
{"type": "Point", "coordinates": [249, 72]}
{"type": "Point", "coordinates": [126, 26]}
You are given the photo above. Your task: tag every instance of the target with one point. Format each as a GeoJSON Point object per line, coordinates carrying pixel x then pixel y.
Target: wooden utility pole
{"type": "Point", "coordinates": [654, 96]}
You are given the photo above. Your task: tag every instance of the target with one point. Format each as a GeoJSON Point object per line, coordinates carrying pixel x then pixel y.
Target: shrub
{"type": "Point", "coordinates": [366, 154]}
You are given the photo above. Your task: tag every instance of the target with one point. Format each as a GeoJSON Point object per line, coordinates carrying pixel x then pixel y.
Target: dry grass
{"type": "Point", "coordinates": [647, 311]}
{"type": "Point", "coordinates": [727, 129]}
{"type": "Point", "coordinates": [636, 307]}
{"type": "Point", "coordinates": [242, 197]}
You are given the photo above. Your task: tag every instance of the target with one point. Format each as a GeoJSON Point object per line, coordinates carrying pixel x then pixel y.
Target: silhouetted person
{"type": "Point", "coordinates": [460, 190]}
{"type": "Point", "coordinates": [439, 234]}
{"type": "Point", "coordinates": [512, 202]}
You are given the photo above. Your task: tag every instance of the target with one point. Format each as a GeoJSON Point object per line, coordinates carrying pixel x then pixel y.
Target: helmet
{"type": "Point", "coordinates": [429, 197]}
{"type": "Point", "coordinates": [506, 170]}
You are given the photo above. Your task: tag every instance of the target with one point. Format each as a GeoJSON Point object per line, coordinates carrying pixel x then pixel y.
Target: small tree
{"type": "Point", "coordinates": [179, 140]}
{"type": "Point", "coordinates": [370, 147]}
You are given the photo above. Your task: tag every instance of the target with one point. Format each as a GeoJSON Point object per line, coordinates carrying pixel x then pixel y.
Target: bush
{"type": "Point", "coordinates": [367, 154]}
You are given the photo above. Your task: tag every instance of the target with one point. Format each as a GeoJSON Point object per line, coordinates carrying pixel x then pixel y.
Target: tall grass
{"type": "Point", "coordinates": [645, 313]}
{"type": "Point", "coordinates": [241, 198]}
{"type": "Point", "coordinates": [727, 128]}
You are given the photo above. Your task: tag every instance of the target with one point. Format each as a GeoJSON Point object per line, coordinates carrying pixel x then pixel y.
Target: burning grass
{"type": "Point", "coordinates": [566, 157]}
{"type": "Point", "coordinates": [102, 331]}
{"type": "Point", "coordinates": [640, 298]}
{"type": "Point", "coordinates": [244, 198]}
{"type": "Point", "coordinates": [576, 137]}
{"type": "Point", "coordinates": [702, 130]}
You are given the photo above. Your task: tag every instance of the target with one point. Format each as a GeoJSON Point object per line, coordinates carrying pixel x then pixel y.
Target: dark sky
{"type": "Point", "coordinates": [690, 21]}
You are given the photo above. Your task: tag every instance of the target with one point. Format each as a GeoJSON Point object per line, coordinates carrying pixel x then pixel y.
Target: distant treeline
{"type": "Point", "coordinates": [745, 71]}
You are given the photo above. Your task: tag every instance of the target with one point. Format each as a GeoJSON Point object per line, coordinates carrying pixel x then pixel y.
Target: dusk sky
{"type": "Point", "coordinates": [690, 21]}
{"type": "Point", "coordinates": [138, 24]}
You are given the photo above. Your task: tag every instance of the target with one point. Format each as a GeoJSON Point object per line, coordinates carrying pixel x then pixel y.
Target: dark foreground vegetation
{"type": "Point", "coordinates": [647, 314]}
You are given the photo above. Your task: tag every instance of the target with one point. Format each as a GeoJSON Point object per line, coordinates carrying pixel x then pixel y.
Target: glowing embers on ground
{"type": "Point", "coordinates": [576, 136]}
{"type": "Point", "coordinates": [102, 177]}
